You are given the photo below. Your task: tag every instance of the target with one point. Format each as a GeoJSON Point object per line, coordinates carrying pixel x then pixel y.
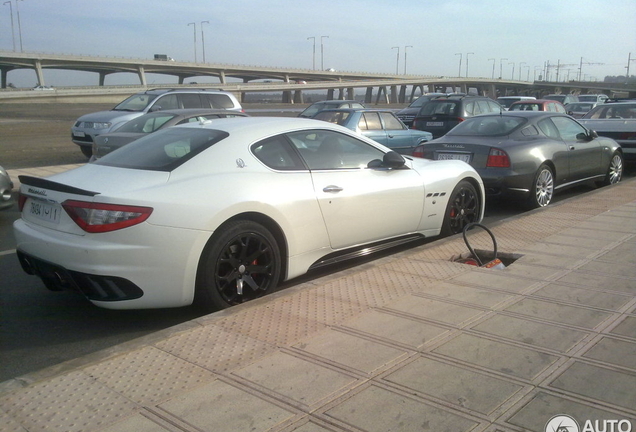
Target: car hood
{"type": "Point", "coordinates": [105, 116]}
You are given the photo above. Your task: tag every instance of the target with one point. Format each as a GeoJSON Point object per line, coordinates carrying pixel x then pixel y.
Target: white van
{"type": "Point", "coordinates": [506, 101]}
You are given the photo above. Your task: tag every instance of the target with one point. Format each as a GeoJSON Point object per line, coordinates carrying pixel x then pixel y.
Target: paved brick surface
{"type": "Point", "coordinates": [409, 342]}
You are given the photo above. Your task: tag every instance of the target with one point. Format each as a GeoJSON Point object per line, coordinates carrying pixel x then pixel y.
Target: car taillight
{"type": "Point", "coordinates": [21, 200]}
{"type": "Point", "coordinates": [418, 152]}
{"type": "Point", "coordinates": [100, 218]}
{"type": "Point", "coordinates": [498, 159]}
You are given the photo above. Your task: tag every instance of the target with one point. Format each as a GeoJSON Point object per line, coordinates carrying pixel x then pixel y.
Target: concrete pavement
{"type": "Point", "coordinates": [408, 342]}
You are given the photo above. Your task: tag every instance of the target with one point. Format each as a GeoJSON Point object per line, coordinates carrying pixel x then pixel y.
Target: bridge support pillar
{"type": "Point", "coordinates": [38, 72]}
{"type": "Point", "coordinates": [3, 76]}
{"type": "Point", "coordinates": [287, 96]}
{"type": "Point", "coordinates": [102, 78]}
{"type": "Point", "coordinates": [222, 77]}
{"type": "Point", "coordinates": [330, 94]}
{"type": "Point", "coordinates": [351, 93]}
{"type": "Point", "coordinates": [298, 97]}
{"type": "Point", "coordinates": [394, 94]}
{"type": "Point", "coordinates": [382, 92]}
{"type": "Point", "coordinates": [142, 75]}
{"type": "Point", "coordinates": [368, 97]}
{"type": "Point", "coordinates": [402, 96]}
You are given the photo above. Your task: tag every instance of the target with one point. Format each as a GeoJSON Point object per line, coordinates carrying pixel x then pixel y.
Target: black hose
{"type": "Point", "coordinates": [494, 242]}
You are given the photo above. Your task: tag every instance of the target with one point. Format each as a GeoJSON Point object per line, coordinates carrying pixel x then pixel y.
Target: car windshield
{"type": "Point", "coordinates": [136, 102]}
{"type": "Point", "coordinates": [337, 117]}
{"type": "Point", "coordinates": [588, 98]}
{"type": "Point", "coordinates": [164, 150]}
{"type": "Point", "coordinates": [506, 102]}
{"type": "Point", "coordinates": [487, 126]}
{"type": "Point", "coordinates": [579, 107]}
{"type": "Point", "coordinates": [440, 108]}
{"type": "Point", "coordinates": [558, 98]}
{"type": "Point", "coordinates": [146, 124]}
{"type": "Point", "coordinates": [313, 109]}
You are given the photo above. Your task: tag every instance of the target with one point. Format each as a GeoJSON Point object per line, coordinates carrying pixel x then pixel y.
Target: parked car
{"type": "Point", "coordinates": [616, 120]}
{"type": "Point", "coordinates": [408, 114]}
{"type": "Point", "coordinates": [152, 122]}
{"type": "Point", "coordinates": [380, 125]}
{"type": "Point", "coordinates": [529, 154]}
{"type": "Point", "coordinates": [538, 105]}
{"type": "Point", "coordinates": [506, 101]}
{"type": "Point", "coordinates": [222, 212]}
{"type": "Point", "coordinates": [316, 107]}
{"type": "Point", "coordinates": [442, 114]}
{"type": "Point", "coordinates": [596, 98]}
{"type": "Point", "coordinates": [43, 88]}
{"type": "Point", "coordinates": [6, 188]}
{"type": "Point", "coordinates": [579, 109]}
{"type": "Point", "coordinates": [88, 126]}
{"type": "Point", "coordinates": [563, 98]}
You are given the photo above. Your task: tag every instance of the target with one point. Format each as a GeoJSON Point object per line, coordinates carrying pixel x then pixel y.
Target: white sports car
{"type": "Point", "coordinates": [221, 212]}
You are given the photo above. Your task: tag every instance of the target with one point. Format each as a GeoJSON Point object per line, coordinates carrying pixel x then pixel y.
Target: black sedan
{"type": "Point", "coordinates": [529, 155]}
{"type": "Point", "coordinates": [152, 122]}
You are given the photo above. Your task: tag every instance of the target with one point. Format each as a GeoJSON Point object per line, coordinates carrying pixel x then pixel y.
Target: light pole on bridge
{"type": "Point", "coordinates": [313, 58]}
{"type": "Point", "coordinates": [17, 10]}
{"type": "Point", "coordinates": [467, 62]}
{"type": "Point", "coordinates": [493, 67]}
{"type": "Point", "coordinates": [501, 67]}
{"type": "Point", "coordinates": [322, 53]}
{"type": "Point", "coordinates": [408, 46]}
{"type": "Point", "coordinates": [203, 39]}
{"type": "Point", "coordinates": [195, 39]}
{"type": "Point", "coordinates": [12, 31]}
{"type": "Point", "coordinates": [397, 61]}
{"type": "Point", "coordinates": [459, 73]}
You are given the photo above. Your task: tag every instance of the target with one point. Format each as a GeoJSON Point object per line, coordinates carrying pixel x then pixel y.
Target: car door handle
{"type": "Point", "coordinates": [572, 147]}
{"type": "Point", "coordinates": [332, 188]}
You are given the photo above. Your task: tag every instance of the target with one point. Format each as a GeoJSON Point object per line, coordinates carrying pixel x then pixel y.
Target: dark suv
{"type": "Point", "coordinates": [408, 114]}
{"type": "Point", "coordinates": [440, 115]}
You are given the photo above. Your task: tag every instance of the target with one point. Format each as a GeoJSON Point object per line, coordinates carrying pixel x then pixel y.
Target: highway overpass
{"type": "Point", "coordinates": [291, 83]}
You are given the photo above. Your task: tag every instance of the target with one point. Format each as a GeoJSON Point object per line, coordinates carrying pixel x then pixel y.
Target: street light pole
{"type": "Point", "coordinates": [460, 64]}
{"type": "Point", "coordinates": [195, 40]}
{"type": "Point", "coordinates": [322, 53]}
{"type": "Point", "coordinates": [313, 58]}
{"type": "Point", "coordinates": [520, 69]}
{"type": "Point", "coordinates": [12, 31]}
{"type": "Point", "coordinates": [467, 62]}
{"type": "Point", "coordinates": [408, 46]}
{"type": "Point", "coordinates": [493, 67]}
{"type": "Point", "coordinates": [203, 39]}
{"type": "Point", "coordinates": [397, 62]}
{"type": "Point", "coordinates": [512, 74]}
{"type": "Point", "coordinates": [501, 67]}
{"type": "Point", "coordinates": [17, 9]}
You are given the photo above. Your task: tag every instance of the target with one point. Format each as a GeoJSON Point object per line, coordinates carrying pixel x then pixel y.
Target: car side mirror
{"type": "Point", "coordinates": [391, 160]}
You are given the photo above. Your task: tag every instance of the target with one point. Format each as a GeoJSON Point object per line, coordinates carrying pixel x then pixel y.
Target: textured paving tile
{"type": "Point", "coordinates": [410, 332]}
{"type": "Point", "coordinates": [218, 406]}
{"type": "Point", "coordinates": [531, 332]}
{"type": "Point", "coordinates": [497, 356]}
{"type": "Point", "coordinates": [352, 352]}
{"type": "Point", "coordinates": [627, 327]}
{"type": "Point", "coordinates": [399, 413]}
{"type": "Point", "coordinates": [496, 280]}
{"type": "Point", "coordinates": [460, 293]}
{"type": "Point", "coordinates": [458, 386]}
{"type": "Point", "coordinates": [534, 415]}
{"type": "Point", "coordinates": [294, 378]}
{"type": "Point", "coordinates": [583, 297]}
{"type": "Point", "coordinates": [600, 281]}
{"type": "Point", "coordinates": [605, 385]}
{"type": "Point", "coordinates": [439, 311]}
{"type": "Point", "coordinates": [614, 269]}
{"type": "Point", "coordinates": [572, 315]}
{"type": "Point", "coordinates": [614, 351]}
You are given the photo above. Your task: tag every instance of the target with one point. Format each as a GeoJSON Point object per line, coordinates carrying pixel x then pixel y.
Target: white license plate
{"type": "Point", "coordinates": [79, 134]}
{"type": "Point", "coordinates": [453, 156]}
{"type": "Point", "coordinates": [47, 212]}
{"type": "Point", "coordinates": [434, 123]}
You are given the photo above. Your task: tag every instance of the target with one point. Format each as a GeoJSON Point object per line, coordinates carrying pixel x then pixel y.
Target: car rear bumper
{"type": "Point", "coordinates": [135, 268]}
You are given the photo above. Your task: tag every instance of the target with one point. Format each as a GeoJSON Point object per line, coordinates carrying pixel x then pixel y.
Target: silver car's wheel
{"type": "Point", "coordinates": [542, 188]}
{"type": "Point", "coordinates": [615, 170]}
{"type": "Point", "coordinates": [241, 263]}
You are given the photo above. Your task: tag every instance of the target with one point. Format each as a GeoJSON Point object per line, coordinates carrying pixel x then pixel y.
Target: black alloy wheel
{"type": "Point", "coordinates": [241, 263]}
{"type": "Point", "coordinates": [464, 207]}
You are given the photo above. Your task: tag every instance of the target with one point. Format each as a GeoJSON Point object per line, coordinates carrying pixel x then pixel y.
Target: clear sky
{"type": "Point", "coordinates": [519, 35]}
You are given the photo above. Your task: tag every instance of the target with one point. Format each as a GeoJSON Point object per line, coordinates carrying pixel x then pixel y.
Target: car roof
{"type": "Point", "coordinates": [536, 101]}
{"type": "Point", "coordinates": [335, 101]}
{"type": "Point", "coordinates": [523, 114]}
{"type": "Point", "coordinates": [193, 111]}
{"type": "Point", "coordinates": [352, 110]}
{"type": "Point", "coordinates": [182, 90]}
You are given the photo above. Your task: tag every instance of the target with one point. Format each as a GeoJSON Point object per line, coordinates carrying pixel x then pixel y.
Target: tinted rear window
{"type": "Point", "coordinates": [435, 107]}
{"type": "Point", "coordinates": [164, 150]}
{"type": "Point", "coordinates": [337, 117]}
{"type": "Point", "coordinates": [146, 124]}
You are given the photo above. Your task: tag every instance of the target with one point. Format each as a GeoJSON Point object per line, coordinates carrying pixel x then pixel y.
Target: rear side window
{"type": "Point", "coordinates": [164, 150]}
{"type": "Point", "coordinates": [166, 102]}
{"type": "Point", "coordinates": [370, 121]}
{"type": "Point", "coordinates": [277, 153]}
{"type": "Point", "coordinates": [337, 117]}
{"type": "Point", "coordinates": [391, 122]}
{"type": "Point", "coordinates": [220, 101]}
{"type": "Point", "coordinates": [190, 100]}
